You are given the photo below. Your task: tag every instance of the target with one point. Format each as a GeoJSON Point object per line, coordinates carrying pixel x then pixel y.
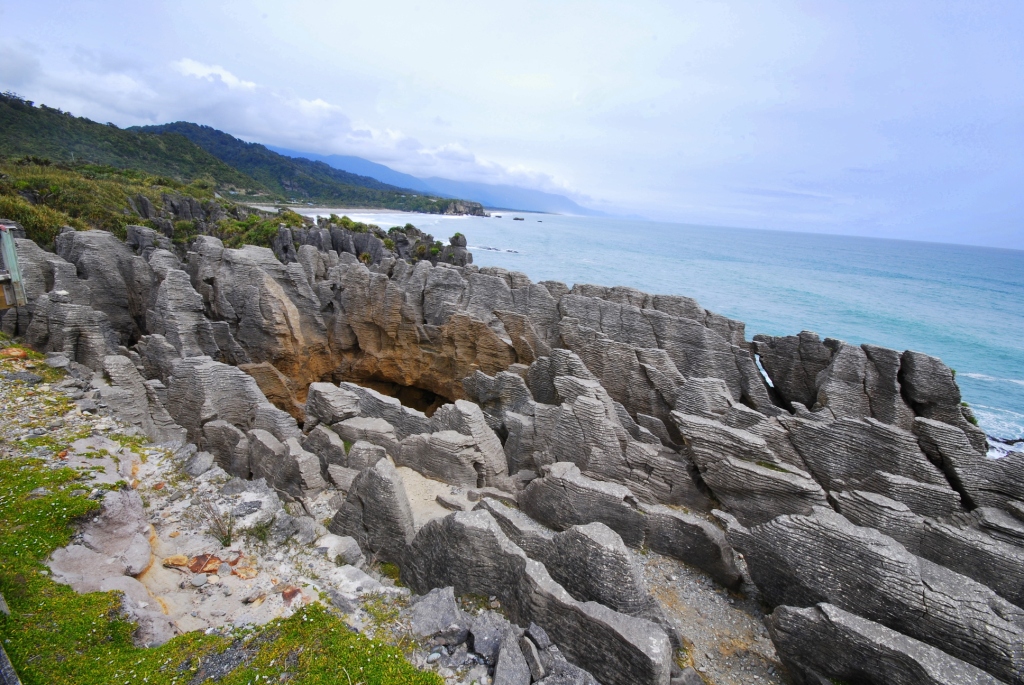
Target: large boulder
{"type": "Point", "coordinates": [564, 497]}
{"type": "Point", "coordinates": [377, 513]}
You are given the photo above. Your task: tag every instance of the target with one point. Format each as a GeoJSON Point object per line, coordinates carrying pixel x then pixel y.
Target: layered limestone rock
{"type": "Point", "coordinates": [801, 561]}
{"type": "Point", "coordinates": [823, 643]}
{"type": "Point", "coordinates": [468, 551]}
{"type": "Point", "coordinates": [997, 564]}
{"type": "Point", "coordinates": [615, 418]}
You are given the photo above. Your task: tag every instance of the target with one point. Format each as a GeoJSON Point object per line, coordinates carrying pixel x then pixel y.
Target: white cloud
{"type": "Point", "coordinates": [190, 67]}
{"type": "Point", "coordinates": [742, 112]}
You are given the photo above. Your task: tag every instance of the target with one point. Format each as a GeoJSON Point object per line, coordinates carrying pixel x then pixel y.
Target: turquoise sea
{"type": "Point", "coordinates": [963, 304]}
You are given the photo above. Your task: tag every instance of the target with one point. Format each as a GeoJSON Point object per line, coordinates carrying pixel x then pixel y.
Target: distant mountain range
{"type": "Point", "coordinates": [493, 196]}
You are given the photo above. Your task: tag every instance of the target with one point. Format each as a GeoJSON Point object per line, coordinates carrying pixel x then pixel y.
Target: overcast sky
{"type": "Point", "coordinates": [893, 119]}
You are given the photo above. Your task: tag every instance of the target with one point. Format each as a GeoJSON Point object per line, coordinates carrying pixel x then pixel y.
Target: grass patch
{"type": "Point", "coordinates": [54, 635]}
{"type": "Point", "coordinates": [259, 532]}
{"type": "Point", "coordinates": [389, 570]}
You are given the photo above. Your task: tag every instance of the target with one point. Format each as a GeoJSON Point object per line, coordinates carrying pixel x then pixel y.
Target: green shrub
{"type": "Point", "coordinates": [41, 223]}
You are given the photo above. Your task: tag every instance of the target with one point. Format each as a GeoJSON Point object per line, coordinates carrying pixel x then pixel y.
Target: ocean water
{"type": "Point", "coordinates": [963, 304]}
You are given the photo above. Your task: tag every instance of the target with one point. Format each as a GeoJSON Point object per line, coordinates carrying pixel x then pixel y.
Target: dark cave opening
{"type": "Point", "coordinates": [410, 396]}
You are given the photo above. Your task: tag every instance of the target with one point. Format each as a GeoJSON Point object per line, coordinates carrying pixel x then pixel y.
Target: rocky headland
{"type": "Point", "coordinates": [638, 492]}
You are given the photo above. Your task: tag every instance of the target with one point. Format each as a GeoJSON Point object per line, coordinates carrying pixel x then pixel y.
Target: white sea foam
{"type": "Point", "coordinates": [992, 379]}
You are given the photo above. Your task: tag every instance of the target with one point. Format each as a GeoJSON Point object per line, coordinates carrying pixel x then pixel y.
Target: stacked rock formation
{"type": "Point", "coordinates": [590, 422]}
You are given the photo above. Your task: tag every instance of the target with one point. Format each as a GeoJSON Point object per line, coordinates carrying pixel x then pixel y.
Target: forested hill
{"type": "Point", "coordinates": [184, 153]}
{"type": "Point", "coordinates": [29, 130]}
{"type": "Point", "coordinates": [287, 175]}
{"type": "Point", "coordinates": [302, 179]}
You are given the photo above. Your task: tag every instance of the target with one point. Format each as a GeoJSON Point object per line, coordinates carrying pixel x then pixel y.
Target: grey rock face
{"type": "Point", "coordinates": [80, 332]}
{"type": "Point", "coordinates": [823, 642]}
{"type": "Point", "coordinates": [845, 452]}
{"type": "Point", "coordinates": [564, 498]}
{"type": "Point", "coordinates": [937, 501]}
{"type": "Point", "coordinates": [229, 446]}
{"type": "Point", "coordinates": [374, 431]}
{"type": "Point", "coordinates": [931, 390]}
{"type": "Point", "coordinates": [803, 560]}
{"type": "Point", "coordinates": [327, 446]}
{"type": "Point", "coordinates": [377, 513]}
{"type": "Point", "coordinates": [329, 404]}
{"type": "Point", "coordinates": [435, 613]}
{"type": "Point", "coordinates": [121, 283]}
{"type": "Point", "coordinates": [137, 402]}
{"type": "Point", "coordinates": [694, 540]}
{"type": "Point", "coordinates": [202, 390]}
{"type": "Point", "coordinates": [468, 551]}
{"type": "Point", "coordinates": [594, 565]}
{"type": "Point", "coordinates": [985, 482]}
{"type": "Point", "coordinates": [793, 362]}
{"type": "Point", "coordinates": [198, 464]}
{"type": "Point", "coordinates": [287, 467]}
{"type": "Point", "coordinates": [994, 563]}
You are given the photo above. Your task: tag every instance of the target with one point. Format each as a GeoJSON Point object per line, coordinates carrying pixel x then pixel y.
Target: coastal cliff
{"type": "Point", "coordinates": [845, 486]}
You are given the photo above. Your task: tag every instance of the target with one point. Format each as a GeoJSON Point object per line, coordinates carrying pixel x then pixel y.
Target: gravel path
{"type": "Point", "coordinates": [728, 643]}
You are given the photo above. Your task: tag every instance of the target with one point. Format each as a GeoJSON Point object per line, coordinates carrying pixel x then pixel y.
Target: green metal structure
{"type": "Point", "coordinates": [12, 289]}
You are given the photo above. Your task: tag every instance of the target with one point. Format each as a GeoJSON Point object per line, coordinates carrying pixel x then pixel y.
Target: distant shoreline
{"type": "Point", "coordinates": [383, 210]}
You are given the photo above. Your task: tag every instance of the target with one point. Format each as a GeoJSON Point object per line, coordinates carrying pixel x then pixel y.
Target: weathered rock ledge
{"type": "Point", "coordinates": [850, 478]}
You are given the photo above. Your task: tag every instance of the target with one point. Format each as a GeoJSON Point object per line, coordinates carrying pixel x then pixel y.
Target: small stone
{"type": "Point", "coordinates": [533, 662]}
{"type": "Point", "coordinates": [213, 579]}
{"type": "Point", "coordinates": [57, 361]}
{"type": "Point", "coordinates": [224, 570]}
{"type": "Point", "coordinates": [246, 508]}
{"type": "Point", "coordinates": [433, 658]}
{"type": "Point", "coordinates": [198, 464]}
{"type": "Point", "coordinates": [199, 580]}
{"type": "Point", "coordinates": [25, 377]}
{"type": "Point", "coordinates": [539, 636]}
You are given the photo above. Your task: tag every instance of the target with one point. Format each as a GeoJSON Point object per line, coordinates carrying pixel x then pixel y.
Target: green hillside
{"type": "Point", "coordinates": [41, 131]}
{"type": "Point", "coordinates": [303, 177]}
{"type": "Point", "coordinates": [300, 179]}
{"type": "Point", "coordinates": [184, 153]}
